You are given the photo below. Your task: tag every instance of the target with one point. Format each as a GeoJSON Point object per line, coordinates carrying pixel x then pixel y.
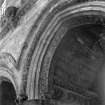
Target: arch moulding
{"type": "Point", "coordinates": [44, 37]}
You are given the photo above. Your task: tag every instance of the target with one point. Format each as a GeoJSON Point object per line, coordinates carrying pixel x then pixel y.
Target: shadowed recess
{"type": "Point", "coordinates": [76, 63]}
{"type": "Point", "coordinates": [7, 93]}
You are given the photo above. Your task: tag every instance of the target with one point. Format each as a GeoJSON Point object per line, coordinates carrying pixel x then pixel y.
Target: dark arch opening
{"type": "Point", "coordinates": [76, 64]}
{"type": "Point", "coordinates": [7, 93]}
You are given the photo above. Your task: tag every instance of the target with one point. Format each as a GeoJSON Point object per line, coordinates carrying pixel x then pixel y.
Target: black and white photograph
{"type": "Point", "coordinates": [52, 52]}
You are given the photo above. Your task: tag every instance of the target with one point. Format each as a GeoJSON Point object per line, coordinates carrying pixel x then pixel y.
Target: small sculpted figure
{"type": "Point", "coordinates": [9, 15]}
{"type": "Point", "coordinates": [11, 11]}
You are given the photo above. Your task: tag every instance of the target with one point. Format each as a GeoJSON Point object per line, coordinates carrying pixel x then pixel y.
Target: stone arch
{"type": "Point", "coordinates": [8, 71]}
{"type": "Point", "coordinates": [44, 38]}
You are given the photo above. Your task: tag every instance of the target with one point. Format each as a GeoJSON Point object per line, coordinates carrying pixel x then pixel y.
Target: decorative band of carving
{"type": "Point", "coordinates": [11, 23]}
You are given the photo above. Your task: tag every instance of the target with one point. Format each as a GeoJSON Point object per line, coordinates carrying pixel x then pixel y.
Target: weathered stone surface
{"type": "Point", "coordinates": [28, 47]}
{"type": "Point", "coordinates": [31, 102]}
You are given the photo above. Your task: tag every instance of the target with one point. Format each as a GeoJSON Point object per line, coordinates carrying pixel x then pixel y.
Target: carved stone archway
{"type": "Point", "coordinates": [42, 42]}
{"type": "Point", "coordinates": [29, 43]}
